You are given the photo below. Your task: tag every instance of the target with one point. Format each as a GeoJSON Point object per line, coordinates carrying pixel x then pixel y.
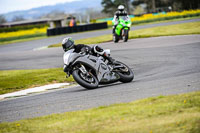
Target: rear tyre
{"type": "Point", "coordinates": [125, 73]}
{"type": "Point", "coordinates": [89, 82]}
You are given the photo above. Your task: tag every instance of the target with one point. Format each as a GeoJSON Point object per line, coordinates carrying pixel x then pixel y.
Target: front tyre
{"type": "Point", "coordinates": [88, 81]}
{"type": "Point", "coordinates": [125, 37]}
{"type": "Point", "coordinates": [115, 38]}
{"type": "Point", "coordinates": [125, 73]}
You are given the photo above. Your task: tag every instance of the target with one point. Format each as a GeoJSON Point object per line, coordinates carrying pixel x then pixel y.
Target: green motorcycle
{"type": "Point", "coordinates": [122, 29]}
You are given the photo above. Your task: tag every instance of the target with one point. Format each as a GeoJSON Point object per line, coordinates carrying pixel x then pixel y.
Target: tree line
{"type": "Point", "coordinates": [110, 6]}
{"type": "Point", "coordinates": [147, 6]}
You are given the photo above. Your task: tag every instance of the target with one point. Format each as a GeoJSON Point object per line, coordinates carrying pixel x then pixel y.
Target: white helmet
{"type": "Point", "coordinates": [67, 43]}
{"type": "Point", "coordinates": [121, 8]}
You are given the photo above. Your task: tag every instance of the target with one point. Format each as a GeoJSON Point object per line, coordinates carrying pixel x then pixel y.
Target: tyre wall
{"type": "Point", "coordinates": [78, 28]}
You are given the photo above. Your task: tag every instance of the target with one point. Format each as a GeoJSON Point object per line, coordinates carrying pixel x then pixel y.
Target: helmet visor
{"type": "Point", "coordinates": [69, 45]}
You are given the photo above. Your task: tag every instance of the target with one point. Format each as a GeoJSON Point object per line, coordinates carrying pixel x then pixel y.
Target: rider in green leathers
{"type": "Point", "coordinates": [119, 12]}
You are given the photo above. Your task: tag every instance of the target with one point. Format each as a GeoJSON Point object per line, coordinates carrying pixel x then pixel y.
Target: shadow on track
{"type": "Point", "coordinates": [100, 87]}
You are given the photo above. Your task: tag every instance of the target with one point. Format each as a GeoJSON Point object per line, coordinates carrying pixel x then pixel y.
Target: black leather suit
{"type": "Point", "coordinates": [85, 48]}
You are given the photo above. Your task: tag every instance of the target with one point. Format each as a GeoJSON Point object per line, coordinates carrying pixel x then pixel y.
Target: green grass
{"type": "Point", "coordinates": [4, 41]}
{"type": "Point", "coordinates": [162, 114]}
{"type": "Point", "coordinates": [178, 29]}
{"type": "Point", "coordinates": [15, 80]}
{"type": "Point", "coordinates": [164, 21]}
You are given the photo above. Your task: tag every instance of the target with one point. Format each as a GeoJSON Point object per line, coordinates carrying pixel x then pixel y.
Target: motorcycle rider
{"type": "Point", "coordinates": [119, 12]}
{"type": "Point", "coordinates": [68, 44]}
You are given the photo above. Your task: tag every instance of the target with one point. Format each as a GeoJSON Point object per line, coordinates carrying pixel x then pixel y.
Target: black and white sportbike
{"type": "Point", "coordinates": [90, 71]}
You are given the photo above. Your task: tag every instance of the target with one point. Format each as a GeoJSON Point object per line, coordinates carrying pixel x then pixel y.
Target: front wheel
{"type": "Point", "coordinates": [125, 73]}
{"type": "Point", "coordinates": [88, 80]}
{"type": "Point", "coordinates": [125, 37]}
{"type": "Point", "coordinates": [115, 38]}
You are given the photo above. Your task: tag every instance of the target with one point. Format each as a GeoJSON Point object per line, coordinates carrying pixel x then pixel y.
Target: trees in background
{"type": "Point", "coordinates": [2, 19]}
{"type": "Point", "coordinates": [110, 6]}
{"type": "Point", "coordinates": [17, 18]}
{"type": "Point", "coordinates": [139, 10]}
{"type": "Point", "coordinates": [150, 5]}
{"type": "Point", "coordinates": [89, 15]}
{"type": "Point", "coordinates": [188, 4]}
{"type": "Point", "coordinates": [176, 5]}
{"type": "Point", "coordinates": [54, 14]}
{"type": "Point", "coordinates": [95, 13]}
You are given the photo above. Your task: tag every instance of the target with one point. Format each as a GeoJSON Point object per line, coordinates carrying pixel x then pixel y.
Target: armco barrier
{"type": "Point", "coordinates": [79, 28]}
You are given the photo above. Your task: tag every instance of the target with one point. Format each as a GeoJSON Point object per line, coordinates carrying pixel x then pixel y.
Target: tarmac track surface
{"type": "Point", "coordinates": [162, 66]}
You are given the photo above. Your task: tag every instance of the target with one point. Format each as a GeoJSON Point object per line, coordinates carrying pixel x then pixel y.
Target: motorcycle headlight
{"type": "Point", "coordinates": [66, 59]}
{"type": "Point", "coordinates": [64, 67]}
{"type": "Point", "coordinates": [129, 25]}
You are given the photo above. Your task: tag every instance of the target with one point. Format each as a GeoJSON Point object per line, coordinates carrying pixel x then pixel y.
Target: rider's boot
{"type": "Point", "coordinates": [114, 27]}
{"type": "Point", "coordinates": [113, 31]}
{"type": "Point", "coordinates": [110, 60]}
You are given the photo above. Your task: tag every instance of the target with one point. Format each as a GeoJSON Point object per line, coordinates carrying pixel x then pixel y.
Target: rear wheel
{"type": "Point", "coordinates": [87, 80]}
{"type": "Point", "coordinates": [125, 73]}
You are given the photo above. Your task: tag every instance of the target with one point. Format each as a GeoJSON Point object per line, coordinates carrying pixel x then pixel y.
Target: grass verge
{"type": "Point", "coordinates": [4, 41]}
{"type": "Point", "coordinates": [178, 29]}
{"type": "Point", "coordinates": [162, 114]}
{"type": "Point", "coordinates": [171, 30]}
{"type": "Point", "coordinates": [15, 80]}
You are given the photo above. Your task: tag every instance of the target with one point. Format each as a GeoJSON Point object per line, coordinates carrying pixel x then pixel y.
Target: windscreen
{"type": "Point", "coordinates": [125, 18]}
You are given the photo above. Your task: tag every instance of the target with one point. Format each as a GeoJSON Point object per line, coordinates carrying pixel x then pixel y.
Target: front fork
{"type": "Point", "coordinates": [66, 70]}
{"type": "Point", "coordinates": [123, 31]}
{"type": "Point", "coordinates": [83, 69]}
